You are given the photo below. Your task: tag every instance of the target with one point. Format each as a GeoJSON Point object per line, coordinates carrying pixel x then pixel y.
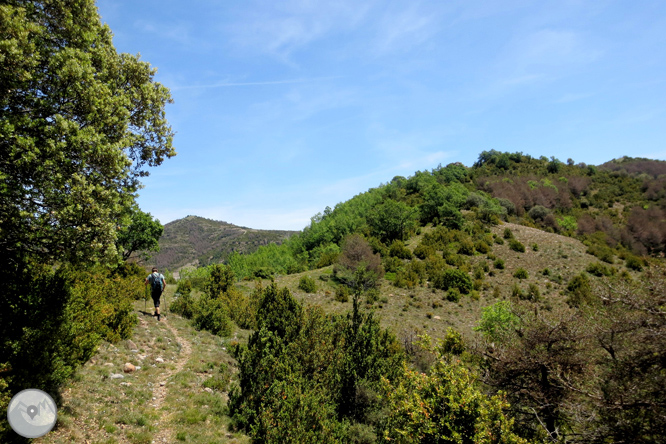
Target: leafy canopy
{"type": "Point", "coordinates": [78, 125]}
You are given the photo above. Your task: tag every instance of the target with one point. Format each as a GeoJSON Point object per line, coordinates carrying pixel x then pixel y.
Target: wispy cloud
{"type": "Point", "coordinates": [403, 29]}
{"type": "Point", "coordinates": [280, 28]}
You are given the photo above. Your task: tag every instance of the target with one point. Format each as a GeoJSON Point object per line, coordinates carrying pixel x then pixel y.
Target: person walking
{"type": "Point", "coordinates": [157, 286]}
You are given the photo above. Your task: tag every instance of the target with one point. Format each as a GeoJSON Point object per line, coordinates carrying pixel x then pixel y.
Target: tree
{"type": "Point", "coordinates": [390, 220]}
{"type": "Point", "coordinates": [78, 125]}
{"type": "Point", "coordinates": [357, 266]}
{"type": "Point", "coordinates": [142, 234]}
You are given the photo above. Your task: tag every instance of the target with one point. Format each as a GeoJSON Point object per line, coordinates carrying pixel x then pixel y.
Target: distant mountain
{"type": "Point", "coordinates": [636, 166]}
{"type": "Point", "coordinates": [199, 241]}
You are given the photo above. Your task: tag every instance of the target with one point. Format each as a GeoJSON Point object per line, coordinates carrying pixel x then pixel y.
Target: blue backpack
{"type": "Point", "coordinates": [156, 283]}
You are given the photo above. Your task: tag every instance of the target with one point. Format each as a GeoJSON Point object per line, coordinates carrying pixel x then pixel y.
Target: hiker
{"type": "Point", "coordinates": [157, 285]}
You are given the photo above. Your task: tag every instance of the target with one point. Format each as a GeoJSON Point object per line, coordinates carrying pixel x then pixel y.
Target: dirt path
{"type": "Point", "coordinates": [164, 434]}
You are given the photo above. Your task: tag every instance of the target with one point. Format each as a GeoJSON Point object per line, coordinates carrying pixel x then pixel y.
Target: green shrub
{"type": "Point", "coordinates": [453, 278]}
{"type": "Point", "coordinates": [372, 296]}
{"type": "Point", "coordinates": [342, 293]}
{"type": "Point", "coordinates": [406, 278]}
{"type": "Point", "coordinates": [422, 251]}
{"type": "Point", "coordinates": [535, 247]}
{"type": "Point", "coordinates": [55, 319]}
{"type": "Point", "coordinates": [444, 403]}
{"type": "Point", "coordinates": [184, 305]}
{"type": "Point", "coordinates": [466, 247]}
{"type": "Point", "coordinates": [184, 286]}
{"type": "Point", "coordinates": [453, 295]}
{"type": "Point", "coordinates": [521, 273]}
{"type": "Point", "coordinates": [508, 234]}
{"type": "Point", "coordinates": [533, 293]}
{"type": "Point", "coordinates": [499, 264]}
{"type": "Point", "coordinates": [212, 314]}
{"type": "Point", "coordinates": [263, 273]}
{"type": "Point", "coordinates": [398, 249]}
{"type": "Point", "coordinates": [391, 264]}
{"type": "Point", "coordinates": [602, 252]}
{"type": "Point", "coordinates": [307, 284]}
{"type": "Point", "coordinates": [580, 291]}
{"type": "Point", "coordinates": [599, 269]}
{"type": "Point", "coordinates": [498, 240]}
{"type": "Point", "coordinates": [482, 247]}
{"type": "Point", "coordinates": [538, 212]}
{"type": "Point", "coordinates": [515, 245]}
{"type": "Point", "coordinates": [634, 263]}
{"type": "Point", "coordinates": [517, 292]}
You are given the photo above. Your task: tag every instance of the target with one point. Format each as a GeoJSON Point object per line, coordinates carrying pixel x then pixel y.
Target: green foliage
{"type": "Point", "coordinates": [342, 293]}
{"type": "Point", "coordinates": [398, 249]}
{"type": "Point", "coordinates": [453, 295]}
{"type": "Point", "coordinates": [568, 223]}
{"type": "Point", "coordinates": [220, 280]}
{"type": "Point", "coordinates": [499, 263]}
{"type": "Point", "coordinates": [521, 273]}
{"type": "Point", "coordinates": [184, 305]}
{"type": "Point", "coordinates": [184, 286]}
{"type": "Point", "coordinates": [601, 251]}
{"type": "Point", "coordinates": [266, 261]}
{"type": "Point", "coordinates": [406, 278]}
{"type": "Point", "coordinates": [497, 321]}
{"type": "Point", "coordinates": [141, 234]}
{"type": "Point", "coordinates": [634, 263]}
{"type": "Point", "coordinates": [453, 278]}
{"type": "Point", "coordinates": [392, 264]}
{"type": "Point", "coordinates": [533, 293]}
{"type": "Point", "coordinates": [304, 375]}
{"type": "Point", "coordinates": [482, 247]}
{"type": "Point", "coordinates": [599, 269]}
{"type": "Point", "coordinates": [444, 406]}
{"type": "Point", "coordinates": [579, 291]}
{"type": "Point", "coordinates": [422, 251]}
{"type": "Point", "coordinates": [515, 245]}
{"type": "Point", "coordinates": [53, 320]}
{"type": "Point", "coordinates": [307, 284]}
{"type": "Point", "coordinates": [507, 234]}
{"type": "Point", "coordinates": [466, 246]}
{"type": "Point", "coordinates": [391, 220]}
{"type": "Point", "coordinates": [535, 247]}
{"type": "Point", "coordinates": [80, 123]}
{"type": "Point", "coordinates": [212, 314]}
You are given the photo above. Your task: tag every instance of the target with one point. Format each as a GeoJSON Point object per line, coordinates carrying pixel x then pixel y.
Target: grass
{"type": "Point", "coordinates": [425, 309]}
{"type": "Point", "coordinates": [98, 409]}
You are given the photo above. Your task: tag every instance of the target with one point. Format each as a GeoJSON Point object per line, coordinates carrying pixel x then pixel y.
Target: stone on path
{"type": "Point", "coordinates": [128, 368]}
{"type": "Point", "coordinates": [160, 360]}
{"type": "Point", "coordinates": [116, 376]}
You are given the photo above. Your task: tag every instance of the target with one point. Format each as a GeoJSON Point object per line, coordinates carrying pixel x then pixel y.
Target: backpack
{"type": "Point", "coordinates": [156, 283]}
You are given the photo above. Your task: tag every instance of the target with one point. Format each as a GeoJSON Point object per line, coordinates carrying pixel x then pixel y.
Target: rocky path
{"type": "Point", "coordinates": [165, 434]}
{"type": "Point", "coordinates": [168, 384]}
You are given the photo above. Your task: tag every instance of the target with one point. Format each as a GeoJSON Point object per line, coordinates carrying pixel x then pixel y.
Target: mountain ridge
{"type": "Point", "coordinates": [198, 241]}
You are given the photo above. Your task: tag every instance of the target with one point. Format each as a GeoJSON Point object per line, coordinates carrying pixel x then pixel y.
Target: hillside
{"type": "Point", "coordinates": [198, 241]}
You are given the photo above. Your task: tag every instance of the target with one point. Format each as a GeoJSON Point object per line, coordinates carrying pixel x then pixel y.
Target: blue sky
{"type": "Point", "coordinates": [285, 107]}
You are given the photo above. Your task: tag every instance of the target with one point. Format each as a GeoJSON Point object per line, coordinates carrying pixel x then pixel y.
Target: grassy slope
{"type": "Point", "coordinates": [419, 308]}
